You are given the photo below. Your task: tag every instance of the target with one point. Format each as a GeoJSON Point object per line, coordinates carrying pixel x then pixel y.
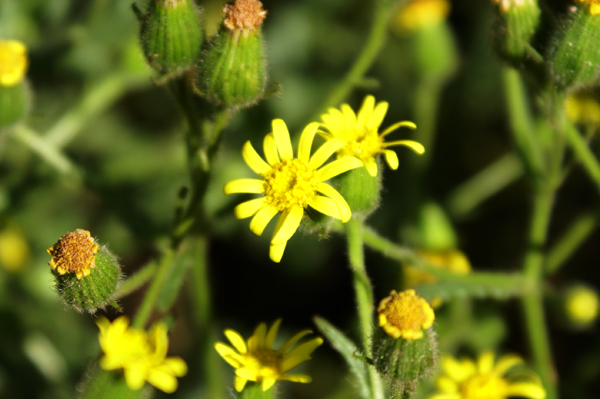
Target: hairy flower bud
{"type": "Point", "coordinates": [515, 25]}
{"type": "Point", "coordinates": [575, 51]}
{"type": "Point", "coordinates": [233, 69]}
{"type": "Point", "coordinates": [86, 273]}
{"type": "Point", "coordinates": [171, 35]}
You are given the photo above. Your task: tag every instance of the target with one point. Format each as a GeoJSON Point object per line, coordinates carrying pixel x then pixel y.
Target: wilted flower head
{"type": "Point", "coordinates": [256, 360]}
{"type": "Point", "coordinates": [361, 136]}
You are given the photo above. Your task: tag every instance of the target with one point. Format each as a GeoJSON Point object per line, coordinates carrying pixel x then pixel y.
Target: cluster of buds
{"type": "Point", "coordinates": [229, 69]}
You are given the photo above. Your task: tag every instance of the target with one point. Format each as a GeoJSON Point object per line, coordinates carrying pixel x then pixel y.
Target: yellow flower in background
{"type": "Point", "coordinates": [361, 136]}
{"type": "Point", "coordinates": [418, 14]}
{"type": "Point", "coordinates": [594, 6]}
{"type": "Point", "coordinates": [465, 379]}
{"type": "Point", "coordinates": [141, 355]}
{"type": "Point", "coordinates": [256, 360]}
{"type": "Point", "coordinates": [14, 250]}
{"type": "Point", "coordinates": [582, 305]}
{"type": "Point", "coordinates": [290, 184]}
{"type": "Point", "coordinates": [13, 62]}
{"type": "Point", "coordinates": [405, 315]}
{"type": "Point", "coordinates": [452, 260]}
{"type": "Point", "coordinates": [583, 108]}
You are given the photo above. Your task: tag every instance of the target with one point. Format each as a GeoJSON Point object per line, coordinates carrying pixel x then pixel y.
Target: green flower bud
{"type": "Point", "coordinates": [172, 35]}
{"type": "Point", "coordinates": [360, 190]}
{"type": "Point", "coordinates": [405, 348]}
{"type": "Point", "coordinates": [515, 25]}
{"type": "Point", "coordinates": [14, 93]}
{"type": "Point", "coordinates": [233, 70]}
{"type": "Point", "coordinates": [575, 52]}
{"type": "Point", "coordinates": [86, 274]}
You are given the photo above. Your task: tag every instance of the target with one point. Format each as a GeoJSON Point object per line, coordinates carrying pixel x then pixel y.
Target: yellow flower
{"type": "Point", "coordinates": [141, 355]}
{"type": "Point", "coordinates": [583, 108]}
{"type": "Point", "coordinates": [257, 361]}
{"type": "Point", "coordinates": [75, 252]}
{"type": "Point", "coordinates": [360, 133]}
{"type": "Point", "coordinates": [594, 6]}
{"type": "Point", "coordinates": [14, 250]}
{"type": "Point", "coordinates": [404, 315]}
{"type": "Point", "coordinates": [419, 14]}
{"type": "Point", "coordinates": [290, 184]}
{"type": "Point", "coordinates": [451, 259]}
{"type": "Point", "coordinates": [582, 305]}
{"type": "Point", "coordinates": [464, 379]}
{"type": "Point", "coordinates": [13, 62]}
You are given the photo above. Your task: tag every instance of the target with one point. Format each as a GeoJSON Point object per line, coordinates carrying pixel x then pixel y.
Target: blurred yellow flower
{"type": "Point", "coordinates": [141, 355]}
{"type": "Point", "coordinates": [14, 250]}
{"type": "Point", "coordinates": [465, 379]}
{"type": "Point", "coordinates": [405, 315]}
{"type": "Point", "coordinates": [360, 133]}
{"type": "Point", "coordinates": [290, 184]}
{"type": "Point", "coordinates": [583, 108]}
{"type": "Point", "coordinates": [594, 6]}
{"type": "Point", "coordinates": [418, 14]}
{"type": "Point", "coordinates": [255, 360]}
{"type": "Point", "coordinates": [582, 305]}
{"type": "Point", "coordinates": [13, 62]}
{"type": "Point", "coordinates": [451, 259]}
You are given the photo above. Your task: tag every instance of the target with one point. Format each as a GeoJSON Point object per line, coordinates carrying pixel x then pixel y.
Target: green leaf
{"type": "Point", "coordinates": [349, 352]}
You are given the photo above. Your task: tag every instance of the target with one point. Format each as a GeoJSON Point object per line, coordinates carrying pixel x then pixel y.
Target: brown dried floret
{"type": "Point", "coordinates": [74, 253]}
{"type": "Point", "coordinates": [244, 14]}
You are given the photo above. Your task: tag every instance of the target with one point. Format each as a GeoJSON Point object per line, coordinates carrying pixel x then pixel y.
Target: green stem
{"type": "Point", "coordinates": [584, 154]}
{"type": "Point", "coordinates": [521, 124]}
{"type": "Point", "coordinates": [363, 62]}
{"type": "Point", "coordinates": [147, 306]}
{"type": "Point", "coordinates": [533, 300]}
{"type": "Point", "coordinates": [486, 183]}
{"type": "Point", "coordinates": [571, 240]}
{"type": "Point", "coordinates": [136, 281]}
{"type": "Point", "coordinates": [364, 295]}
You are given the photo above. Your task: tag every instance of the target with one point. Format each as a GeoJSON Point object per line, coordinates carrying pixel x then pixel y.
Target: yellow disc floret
{"type": "Point", "coordinates": [290, 183]}
{"type": "Point", "coordinates": [13, 62]}
{"type": "Point", "coordinates": [74, 253]}
{"type": "Point", "coordinates": [404, 315]}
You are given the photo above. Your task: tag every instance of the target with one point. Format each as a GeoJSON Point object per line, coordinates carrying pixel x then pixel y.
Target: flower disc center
{"type": "Point", "coordinates": [290, 183]}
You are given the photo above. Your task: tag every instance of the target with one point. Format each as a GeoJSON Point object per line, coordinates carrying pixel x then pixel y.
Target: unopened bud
{"type": "Point", "coordinates": [233, 70]}
{"type": "Point", "coordinates": [515, 25]}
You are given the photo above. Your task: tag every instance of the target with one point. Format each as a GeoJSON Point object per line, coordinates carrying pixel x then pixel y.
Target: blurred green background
{"type": "Point", "coordinates": [124, 162]}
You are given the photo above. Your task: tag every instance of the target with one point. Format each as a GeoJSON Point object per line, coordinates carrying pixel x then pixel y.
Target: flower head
{"type": "Point", "coordinates": [256, 360]}
{"type": "Point", "coordinates": [360, 133]}
{"type": "Point", "coordinates": [74, 252]}
{"type": "Point", "coordinates": [290, 184]}
{"type": "Point", "coordinates": [13, 62]}
{"type": "Point", "coordinates": [583, 108]}
{"type": "Point", "coordinates": [141, 355]}
{"type": "Point", "coordinates": [244, 15]}
{"type": "Point", "coordinates": [465, 379]}
{"type": "Point", "coordinates": [405, 315]}
{"type": "Point", "coordinates": [418, 14]}
{"type": "Point", "coordinates": [582, 305]}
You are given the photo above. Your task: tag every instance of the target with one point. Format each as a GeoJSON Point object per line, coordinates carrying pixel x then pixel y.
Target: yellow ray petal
{"type": "Point", "coordinates": [247, 373]}
{"type": "Point", "coordinates": [162, 380]}
{"type": "Point", "coordinates": [526, 390]}
{"type": "Point", "coordinates": [325, 151]}
{"type": "Point", "coordinates": [378, 115]}
{"type": "Point", "coordinates": [288, 226]}
{"type": "Point", "coordinates": [260, 333]}
{"type": "Point", "coordinates": [236, 340]}
{"type": "Point", "coordinates": [252, 186]}
{"type": "Point", "coordinates": [262, 219]}
{"type": "Point", "coordinates": [365, 112]}
{"type": "Point", "coordinates": [349, 117]}
{"type": "Point", "coordinates": [282, 138]}
{"type": "Point", "coordinates": [299, 354]}
{"type": "Point", "coordinates": [458, 370]}
{"type": "Point", "coordinates": [253, 160]}
{"type": "Point", "coordinates": [239, 383]}
{"type": "Point", "coordinates": [134, 377]}
{"type": "Point", "coordinates": [371, 166]}
{"type": "Point", "coordinates": [397, 126]}
{"type": "Point", "coordinates": [270, 149]}
{"type": "Point", "coordinates": [413, 145]}
{"type": "Point", "coordinates": [339, 200]}
{"type": "Point", "coordinates": [268, 383]}
{"type": "Point", "coordinates": [228, 354]}
{"type": "Point", "coordinates": [391, 158]}
{"type": "Point", "coordinates": [485, 362]}
{"type": "Point", "coordinates": [292, 341]}
{"type": "Point", "coordinates": [276, 252]}
{"type": "Point", "coordinates": [303, 378]}
{"type": "Point", "coordinates": [326, 206]}
{"type": "Point", "coordinates": [337, 167]}
{"type": "Point", "coordinates": [505, 363]}
{"type": "Point", "coordinates": [249, 208]}
{"type": "Point", "coordinates": [272, 334]}
{"type": "Point", "coordinates": [306, 140]}
{"type": "Point", "coordinates": [176, 366]}
{"type": "Point", "coordinates": [446, 384]}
